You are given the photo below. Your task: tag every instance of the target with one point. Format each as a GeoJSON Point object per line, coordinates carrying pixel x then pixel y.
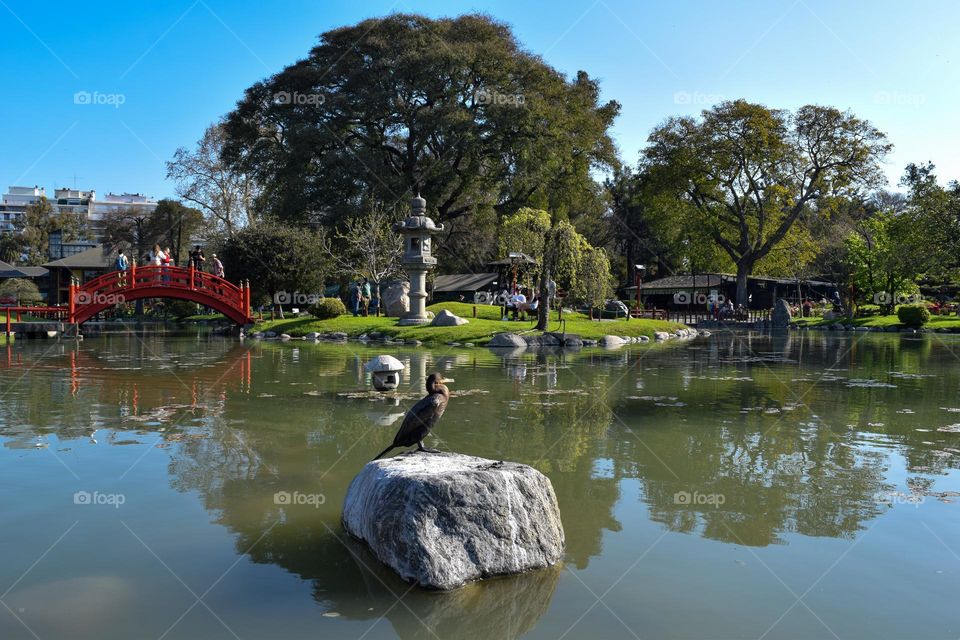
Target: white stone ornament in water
{"type": "Point", "coordinates": [385, 371]}
{"type": "Point", "coordinates": [441, 520]}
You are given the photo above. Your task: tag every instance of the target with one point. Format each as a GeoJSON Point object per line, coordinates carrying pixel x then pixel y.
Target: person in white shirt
{"type": "Point", "coordinates": [517, 301]}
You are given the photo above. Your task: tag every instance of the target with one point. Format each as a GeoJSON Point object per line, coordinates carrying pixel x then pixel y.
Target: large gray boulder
{"type": "Point", "coordinates": [781, 314]}
{"type": "Point", "coordinates": [441, 520]}
{"type": "Point", "coordinates": [508, 341]}
{"type": "Point", "coordinates": [448, 319]}
{"type": "Point", "coordinates": [396, 299]}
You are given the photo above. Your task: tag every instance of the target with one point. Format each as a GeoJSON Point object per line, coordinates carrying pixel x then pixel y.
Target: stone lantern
{"type": "Point", "coordinates": [385, 371]}
{"type": "Point", "coordinates": [417, 259]}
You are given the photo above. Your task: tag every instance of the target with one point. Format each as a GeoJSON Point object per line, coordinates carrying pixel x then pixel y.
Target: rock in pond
{"type": "Point", "coordinates": [508, 340]}
{"type": "Point", "coordinates": [441, 520]}
{"type": "Point", "coordinates": [612, 341]}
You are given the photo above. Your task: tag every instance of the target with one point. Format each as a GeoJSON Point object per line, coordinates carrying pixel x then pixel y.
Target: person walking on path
{"type": "Point", "coordinates": [365, 296]}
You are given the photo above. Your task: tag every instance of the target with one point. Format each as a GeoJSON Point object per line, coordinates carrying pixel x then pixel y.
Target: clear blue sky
{"type": "Point", "coordinates": [181, 64]}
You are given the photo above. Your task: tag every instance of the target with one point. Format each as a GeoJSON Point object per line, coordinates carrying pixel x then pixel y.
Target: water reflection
{"type": "Point", "coordinates": [796, 432]}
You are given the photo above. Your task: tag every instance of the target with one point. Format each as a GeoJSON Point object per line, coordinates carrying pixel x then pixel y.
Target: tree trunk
{"type": "Point", "coordinates": [543, 309]}
{"type": "Point", "coordinates": [743, 270]}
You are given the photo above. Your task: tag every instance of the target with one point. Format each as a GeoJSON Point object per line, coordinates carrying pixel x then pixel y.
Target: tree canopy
{"type": "Point", "coordinates": [752, 172]}
{"type": "Point", "coordinates": [452, 108]}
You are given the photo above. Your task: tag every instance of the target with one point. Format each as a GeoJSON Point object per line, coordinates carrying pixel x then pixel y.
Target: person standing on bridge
{"type": "Point", "coordinates": [167, 262]}
{"type": "Point", "coordinates": [122, 265]}
{"type": "Point", "coordinates": [196, 261]}
{"type": "Point", "coordinates": [217, 266]}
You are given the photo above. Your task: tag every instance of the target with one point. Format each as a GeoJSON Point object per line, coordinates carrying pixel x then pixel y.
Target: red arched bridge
{"type": "Point", "coordinates": [117, 287]}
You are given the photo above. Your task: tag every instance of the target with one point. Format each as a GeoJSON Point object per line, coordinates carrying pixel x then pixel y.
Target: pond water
{"type": "Point", "coordinates": [742, 485]}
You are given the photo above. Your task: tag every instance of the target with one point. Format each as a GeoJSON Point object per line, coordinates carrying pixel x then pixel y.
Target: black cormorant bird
{"type": "Point", "coordinates": [422, 417]}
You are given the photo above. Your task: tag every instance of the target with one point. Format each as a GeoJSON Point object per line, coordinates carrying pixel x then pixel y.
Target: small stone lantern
{"type": "Point", "coordinates": [385, 371]}
{"type": "Point", "coordinates": [417, 259]}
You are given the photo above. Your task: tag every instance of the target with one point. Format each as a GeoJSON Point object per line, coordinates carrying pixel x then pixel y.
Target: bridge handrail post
{"type": "Point", "coordinates": [193, 282]}
{"type": "Point", "coordinates": [133, 274]}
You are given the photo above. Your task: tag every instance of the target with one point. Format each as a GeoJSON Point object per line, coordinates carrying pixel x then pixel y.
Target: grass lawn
{"type": "Point", "coordinates": [203, 317]}
{"type": "Point", "coordinates": [936, 322]}
{"type": "Point", "coordinates": [478, 331]}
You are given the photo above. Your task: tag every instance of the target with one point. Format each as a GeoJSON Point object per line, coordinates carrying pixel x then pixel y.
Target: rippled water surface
{"type": "Point", "coordinates": [795, 486]}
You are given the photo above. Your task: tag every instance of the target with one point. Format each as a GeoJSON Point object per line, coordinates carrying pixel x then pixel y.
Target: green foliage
{"type": "Point", "coordinates": [523, 232]}
{"type": "Point", "coordinates": [38, 222]}
{"type": "Point", "coordinates": [11, 247]}
{"type": "Point", "coordinates": [751, 173]}
{"type": "Point", "coordinates": [179, 308]}
{"type": "Point", "coordinates": [886, 255]}
{"type": "Point", "coordinates": [454, 108]}
{"type": "Point", "coordinates": [23, 291]}
{"type": "Point", "coordinates": [327, 308]}
{"type": "Point", "coordinates": [171, 224]}
{"type": "Point", "coordinates": [275, 257]}
{"type": "Point", "coordinates": [913, 315]}
{"type": "Point", "coordinates": [595, 284]}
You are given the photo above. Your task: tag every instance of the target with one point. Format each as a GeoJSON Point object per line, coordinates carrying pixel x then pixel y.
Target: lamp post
{"type": "Point", "coordinates": [638, 270]}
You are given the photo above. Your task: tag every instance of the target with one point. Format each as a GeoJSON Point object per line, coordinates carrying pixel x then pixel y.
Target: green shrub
{"type": "Point", "coordinates": [327, 308]}
{"type": "Point", "coordinates": [913, 315]}
{"type": "Point", "coordinates": [180, 308]}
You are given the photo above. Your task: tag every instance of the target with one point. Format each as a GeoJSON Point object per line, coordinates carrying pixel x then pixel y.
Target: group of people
{"type": "Point", "coordinates": [360, 297]}
{"type": "Point", "coordinates": [159, 257]}
{"type": "Point", "coordinates": [518, 304]}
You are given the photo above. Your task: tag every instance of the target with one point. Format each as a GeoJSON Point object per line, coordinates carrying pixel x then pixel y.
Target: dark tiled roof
{"type": "Point", "coordinates": [7, 270]}
{"type": "Point", "coordinates": [95, 258]}
{"type": "Point", "coordinates": [463, 281]}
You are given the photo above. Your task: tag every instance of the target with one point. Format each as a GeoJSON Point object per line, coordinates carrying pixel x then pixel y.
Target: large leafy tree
{"type": "Point", "coordinates": [752, 173]}
{"type": "Point", "coordinates": [171, 224]}
{"type": "Point", "coordinates": [36, 224]}
{"type": "Point", "coordinates": [452, 108]}
{"type": "Point", "coordinates": [935, 211]}
{"type": "Point", "coordinates": [887, 255]}
{"type": "Point", "coordinates": [275, 257]}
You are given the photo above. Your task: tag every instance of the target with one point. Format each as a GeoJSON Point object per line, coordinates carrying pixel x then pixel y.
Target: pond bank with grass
{"type": "Point", "coordinates": [889, 323]}
{"type": "Point", "coordinates": [477, 331]}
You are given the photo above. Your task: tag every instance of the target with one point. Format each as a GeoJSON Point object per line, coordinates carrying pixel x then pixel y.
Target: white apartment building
{"type": "Point", "coordinates": [82, 203]}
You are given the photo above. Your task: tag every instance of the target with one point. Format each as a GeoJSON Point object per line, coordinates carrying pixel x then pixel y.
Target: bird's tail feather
{"type": "Point", "coordinates": [384, 452]}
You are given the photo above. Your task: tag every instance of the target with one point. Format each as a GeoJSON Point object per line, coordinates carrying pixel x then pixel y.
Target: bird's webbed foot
{"type": "Point", "coordinates": [420, 447]}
